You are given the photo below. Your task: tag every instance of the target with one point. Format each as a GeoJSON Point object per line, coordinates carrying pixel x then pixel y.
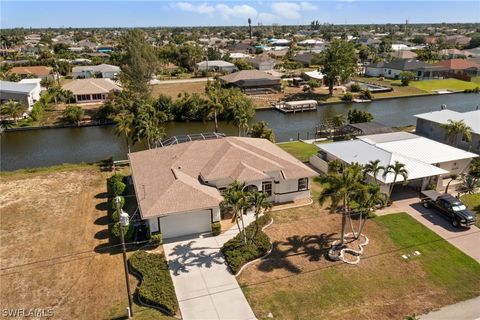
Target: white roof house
{"type": "Point", "coordinates": [422, 157]}
{"type": "Point", "coordinates": [471, 118]}
{"type": "Point", "coordinates": [106, 71]}
{"type": "Point", "coordinates": [216, 65]}
{"type": "Point", "coordinates": [25, 93]}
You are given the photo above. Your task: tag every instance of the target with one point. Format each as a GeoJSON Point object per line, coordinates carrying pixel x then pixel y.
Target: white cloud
{"type": "Point", "coordinates": [308, 6]}
{"type": "Point", "coordinates": [266, 17]}
{"type": "Point", "coordinates": [225, 11]}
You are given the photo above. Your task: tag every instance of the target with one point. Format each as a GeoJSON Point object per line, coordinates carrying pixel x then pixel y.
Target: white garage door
{"type": "Point", "coordinates": [183, 224]}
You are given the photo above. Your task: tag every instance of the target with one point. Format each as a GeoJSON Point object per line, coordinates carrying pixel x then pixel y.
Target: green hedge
{"type": "Point", "coordinates": [116, 184]}
{"type": "Point", "coordinates": [156, 287]}
{"type": "Point", "coordinates": [237, 253]}
{"type": "Point", "coordinates": [127, 231]}
{"type": "Point", "coordinates": [114, 203]}
{"type": "Point", "coordinates": [216, 228]}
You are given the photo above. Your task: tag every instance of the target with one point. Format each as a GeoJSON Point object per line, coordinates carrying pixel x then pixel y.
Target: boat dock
{"type": "Point", "coordinates": [296, 106]}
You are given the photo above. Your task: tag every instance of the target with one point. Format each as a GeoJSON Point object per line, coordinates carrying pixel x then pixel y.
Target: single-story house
{"type": "Point", "coordinates": [304, 59]}
{"type": "Point", "coordinates": [241, 47]}
{"type": "Point", "coordinates": [239, 55]}
{"type": "Point", "coordinates": [430, 125]}
{"type": "Point", "coordinates": [25, 93]}
{"type": "Point", "coordinates": [313, 75]}
{"type": "Point", "coordinates": [217, 66]}
{"type": "Point", "coordinates": [91, 90]}
{"type": "Point", "coordinates": [453, 53]}
{"type": "Point", "coordinates": [375, 69]}
{"type": "Point", "coordinates": [33, 71]}
{"type": "Point", "coordinates": [252, 81]}
{"type": "Point", "coordinates": [178, 187]}
{"type": "Point", "coordinates": [404, 54]}
{"type": "Point", "coordinates": [426, 161]}
{"type": "Point", "coordinates": [100, 71]}
{"type": "Point", "coordinates": [262, 62]}
{"type": "Point", "coordinates": [460, 66]}
{"type": "Point", "coordinates": [393, 69]}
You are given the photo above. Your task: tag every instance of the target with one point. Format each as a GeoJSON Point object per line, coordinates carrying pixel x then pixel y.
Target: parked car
{"type": "Point", "coordinates": [452, 208]}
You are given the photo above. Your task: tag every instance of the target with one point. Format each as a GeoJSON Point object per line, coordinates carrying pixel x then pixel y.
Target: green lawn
{"type": "Point", "coordinates": [300, 150]}
{"type": "Point", "coordinates": [475, 80]}
{"type": "Point", "coordinates": [472, 201]}
{"type": "Point", "coordinates": [448, 84]}
{"type": "Point", "coordinates": [444, 265]}
{"type": "Point", "coordinates": [301, 285]}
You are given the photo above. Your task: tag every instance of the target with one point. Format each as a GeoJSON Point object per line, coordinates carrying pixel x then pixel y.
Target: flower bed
{"type": "Point", "coordinates": [156, 287]}
{"type": "Point", "coordinates": [237, 253]}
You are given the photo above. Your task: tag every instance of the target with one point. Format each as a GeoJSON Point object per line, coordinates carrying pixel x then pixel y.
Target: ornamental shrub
{"type": "Point", "coordinates": [115, 216]}
{"type": "Point", "coordinates": [127, 231]}
{"type": "Point", "coordinates": [118, 188]}
{"type": "Point", "coordinates": [347, 97]}
{"type": "Point", "coordinates": [216, 228]}
{"type": "Point", "coordinates": [156, 287]}
{"type": "Point", "coordinates": [114, 203]}
{"type": "Point", "coordinates": [156, 238]}
{"type": "Point", "coordinates": [367, 94]}
{"type": "Point", "coordinates": [355, 87]}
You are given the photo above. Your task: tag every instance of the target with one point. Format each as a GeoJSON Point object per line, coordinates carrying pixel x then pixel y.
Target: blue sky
{"type": "Point", "coordinates": [18, 13]}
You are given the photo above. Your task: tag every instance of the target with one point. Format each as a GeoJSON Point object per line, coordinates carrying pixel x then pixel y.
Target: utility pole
{"type": "Point", "coordinates": [250, 27]}
{"type": "Point", "coordinates": [124, 222]}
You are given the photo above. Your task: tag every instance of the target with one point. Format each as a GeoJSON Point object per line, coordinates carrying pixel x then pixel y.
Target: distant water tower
{"type": "Point", "coordinates": [250, 27]}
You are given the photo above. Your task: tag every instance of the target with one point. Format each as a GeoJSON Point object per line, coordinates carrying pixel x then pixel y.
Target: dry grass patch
{"type": "Point", "coordinates": [52, 225]}
{"type": "Point", "coordinates": [174, 89]}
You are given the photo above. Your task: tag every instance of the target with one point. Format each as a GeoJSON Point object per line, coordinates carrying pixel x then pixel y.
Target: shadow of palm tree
{"type": "Point", "coordinates": [190, 256]}
{"type": "Point", "coordinates": [312, 247]}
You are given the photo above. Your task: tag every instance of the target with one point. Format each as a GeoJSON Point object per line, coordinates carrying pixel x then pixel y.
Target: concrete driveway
{"type": "Point", "coordinates": [465, 310]}
{"type": "Point", "coordinates": [466, 240]}
{"type": "Point", "coordinates": [205, 287]}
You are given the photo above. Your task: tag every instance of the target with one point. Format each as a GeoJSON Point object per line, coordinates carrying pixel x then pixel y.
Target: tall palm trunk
{"type": "Point", "coordinates": [126, 140]}
{"type": "Point", "coordinates": [216, 121]}
{"type": "Point", "coordinates": [244, 236]}
{"type": "Point", "coordinates": [239, 130]}
{"type": "Point", "coordinates": [344, 220]}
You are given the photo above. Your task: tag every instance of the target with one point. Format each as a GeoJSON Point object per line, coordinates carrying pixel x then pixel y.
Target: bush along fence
{"type": "Point", "coordinates": [156, 288]}
{"type": "Point", "coordinates": [237, 253]}
{"type": "Point", "coordinates": [117, 187]}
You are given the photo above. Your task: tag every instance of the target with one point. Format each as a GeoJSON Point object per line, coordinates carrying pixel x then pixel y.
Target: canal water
{"type": "Point", "coordinates": [45, 147]}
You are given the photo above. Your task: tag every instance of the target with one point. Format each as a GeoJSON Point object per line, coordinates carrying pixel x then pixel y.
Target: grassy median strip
{"type": "Point", "coordinates": [156, 287]}
{"type": "Point", "coordinates": [444, 264]}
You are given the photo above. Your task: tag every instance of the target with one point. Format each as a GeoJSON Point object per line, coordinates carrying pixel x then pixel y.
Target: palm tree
{"type": "Point", "coordinates": [213, 91]}
{"type": "Point", "coordinates": [67, 96]}
{"type": "Point", "coordinates": [124, 126]}
{"type": "Point", "coordinates": [259, 201]}
{"type": "Point", "coordinates": [455, 128]}
{"type": "Point", "coordinates": [241, 122]}
{"type": "Point", "coordinates": [12, 109]}
{"type": "Point", "coordinates": [369, 198]}
{"type": "Point", "coordinates": [235, 198]}
{"type": "Point", "coordinates": [340, 188]}
{"type": "Point", "coordinates": [373, 167]}
{"type": "Point", "coordinates": [55, 93]}
{"type": "Point", "coordinates": [261, 130]}
{"type": "Point", "coordinates": [398, 169]}
{"type": "Point", "coordinates": [452, 177]}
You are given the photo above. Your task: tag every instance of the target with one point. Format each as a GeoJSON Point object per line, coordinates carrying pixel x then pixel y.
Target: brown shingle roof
{"type": "Point", "coordinates": [39, 71]}
{"type": "Point", "coordinates": [91, 86]}
{"type": "Point", "coordinates": [247, 75]}
{"type": "Point", "coordinates": [174, 179]}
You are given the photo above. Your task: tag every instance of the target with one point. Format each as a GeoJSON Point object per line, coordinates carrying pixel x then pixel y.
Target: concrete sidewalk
{"type": "Point", "coordinates": [465, 310]}
{"type": "Point", "coordinates": [466, 240]}
{"type": "Point", "coordinates": [204, 285]}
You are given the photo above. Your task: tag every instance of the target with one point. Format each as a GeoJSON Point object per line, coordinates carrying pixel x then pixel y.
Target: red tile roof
{"type": "Point", "coordinates": [457, 64]}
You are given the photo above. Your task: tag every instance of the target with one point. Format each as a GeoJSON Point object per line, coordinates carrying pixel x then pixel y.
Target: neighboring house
{"type": "Point", "coordinates": [239, 55]}
{"type": "Point", "coordinates": [392, 69]}
{"type": "Point", "coordinates": [99, 71]}
{"type": "Point", "coordinates": [25, 93]}
{"type": "Point", "coordinates": [304, 59]}
{"type": "Point", "coordinates": [453, 53]}
{"type": "Point", "coordinates": [426, 161]}
{"type": "Point", "coordinates": [241, 47]}
{"type": "Point", "coordinates": [178, 187]}
{"type": "Point", "coordinates": [430, 125]}
{"type": "Point", "coordinates": [91, 90]}
{"type": "Point", "coordinates": [263, 62]}
{"type": "Point", "coordinates": [460, 66]}
{"type": "Point", "coordinates": [252, 81]}
{"type": "Point", "coordinates": [404, 54]}
{"type": "Point", "coordinates": [217, 66]}
{"type": "Point", "coordinates": [33, 71]}
{"type": "Point", "coordinates": [375, 69]}
{"type": "Point", "coordinates": [313, 75]}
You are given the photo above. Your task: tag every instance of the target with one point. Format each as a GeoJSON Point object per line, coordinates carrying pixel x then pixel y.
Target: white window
{"type": "Point", "coordinates": [267, 187]}
{"type": "Point", "coordinates": [302, 184]}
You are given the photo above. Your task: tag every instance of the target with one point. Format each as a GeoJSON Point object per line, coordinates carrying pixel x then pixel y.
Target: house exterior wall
{"type": "Point", "coordinates": [23, 98]}
{"type": "Point", "coordinates": [263, 66]}
{"type": "Point", "coordinates": [434, 131]}
{"type": "Point", "coordinates": [391, 73]}
{"type": "Point", "coordinates": [454, 167]}
{"type": "Point", "coordinates": [373, 72]}
{"type": "Point", "coordinates": [86, 74]}
{"type": "Point", "coordinates": [154, 226]}
{"type": "Point", "coordinates": [88, 98]}
{"type": "Point", "coordinates": [287, 191]}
